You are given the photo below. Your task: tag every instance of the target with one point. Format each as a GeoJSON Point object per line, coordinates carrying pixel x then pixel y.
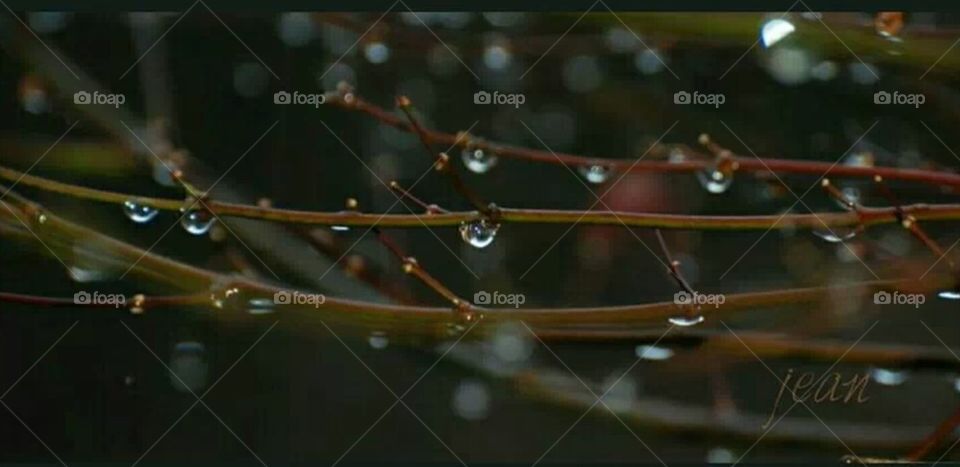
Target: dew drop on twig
{"type": "Point", "coordinates": [139, 213]}
{"type": "Point", "coordinates": [888, 377]}
{"type": "Point", "coordinates": [471, 400]}
{"type": "Point", "coordinates": [833, 236]}
{"type": "Point", "coordinates": [949, 294]}
{"type": "Point", "coordinates": [774, 31]}
{"type": "Point", "coordinates": [479, 234]}
{"type": "Point", "coordinates": [197, 222]}
{"type": "Point", "coordinates": [595, 174]}
{"type": "Point", "coordinates": [715, 180]}
{"type": "Point", "coordinates": [261, 306]}
{"type": "Point", "coordinates": [653, 352]}
{"type": "Point", "coordinates": [686, 320]}
{"type": "Point", "coordinates": [478, 160]}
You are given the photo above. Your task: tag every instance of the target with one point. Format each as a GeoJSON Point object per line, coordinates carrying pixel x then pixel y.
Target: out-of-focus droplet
{"type": "Point", "coordinates": [649, 61]}
{"type": "Point", "coordinates": [824, 71]}
{"type": "Point", "coordinates": [261, 306]}
{"type": "Point", "coordinates": [595, 174]}
{"type": "Point", "coordinates": [582, 73]}
{"type": "Point", "coordinates": [863, 73]}
{"type": "Point", "coordinates": [789, 65]}
{"type": "Point", "coordinates": [774, 31]}
{"type": "Point", "coordinates": [188, 366]}
{"type": "Point", "coordinates": [378, 340]}
{"type": "Point", "coordinates": [497, 56]}
{"type": "Point", "coordinates": [888, 23]}
{"type": "Point", "coordinates": [296, 29]}
{"type": "Point", "coordinates": [860, 159]}
{"type": "Point", "coordinates": [479, 234]}
{"type": "Point", "coordinates": [139, 213]}
{"type": "Point", "coordinates": [949, 294]}
{"type": "Point", "coordinates": [376, 52]}
{"type": "Point", "coordinates": [339, 73]}
{"type": "Point", "coordinates": [47, 22]}
{"type": "Point", "coordinates": [686, 320]}
{"type": "Point", "coordinates": [479, 160]}
{"type": "Point", "coordinates": [512, 343]}
{"type": "Point", "coordinates": [653, 352]}
{"type": "Point", "coordinates": [471, 400]}
{"type": "Point", "coordinates": [720, 456]}
{"type": "Point", "coordinates": [888, 377]}
{"type": "Point", "coordinates": [197, 221]}
{"type": "Point", "coordinates": [250, 79]}
{"type": "Point", "coordinates": [715, 180]}
{"type": "Point", "coordinates": [833, 236]}
{"type": "Point", "coordinates": [33, 95]}
{"type": "Point", "coordinates": [620, 40]}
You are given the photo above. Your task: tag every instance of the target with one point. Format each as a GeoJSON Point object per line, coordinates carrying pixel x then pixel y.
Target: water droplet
{"type": "Point", "coordinates": [834, 236]}
{"type": "Point", "coordinates": [860, 159]}
{"type": "Point", "coordinates": [260, 306]}
{"type": "Point", "coordinates": [720, 456]}
{"type": "Point", "coordinates": [41, 218]}
{"type": "Point", "coordinates": [340, 228]}
{"type": "Point", "coordinates": [376, 52]}
{"type": "Point", "coordinates": [595, 174]}
{"type": "Point", "coordinates": [512, 343]}
{"type": "Point", "coordinates": [497, 56]}
{"type": "Point", "coordinates": [619, 391]}
{"type": "Point", "coordinates": [378, 340]}
{"type": "Point", "coordinates": [139, 213]}
{"type": "Point", "coordinates": [188, 367]}
{"type": "Point", "coordinates": [888, 377]}
{"type": "Point", "coordinates": [649, 61]}
{"type": "Point", "coordinates": [774, 31]}
{"type": "Point", "coordinates": [686, 320]}
{"type": "Point", "coordinates": [949, 294]}
{"type": "Point", "coordinates": [652, 352]}
{"type": "Point", "coordinates": [714, 180]}
{"type": "Point", "coordinates": [296, 29]}
{"type": "Point", "coordinates": [851, 195]}
{"type": "Point", "coordinates": [479, 234]}
{"type": "Point", "coordinates": [471, 400]}
{"type": "Point", "coordinates": [197, 222]}
{"type": "Point", "coordinates": [478, 160]}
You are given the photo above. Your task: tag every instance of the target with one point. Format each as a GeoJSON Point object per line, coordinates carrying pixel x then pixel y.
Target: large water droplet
{"type": "Point", "coordinates": [595, 174]}
{"type": "Point", "coordinates": [834, 236]}
{"type": "Point", "coordinates": [478, 160]}
{"type": "Point", "coordinates": [714, 180]}
{"type": "Point", "coordinates": [686, 320]}
{"type": "Point", "coordinates": [188, 367]}
{"type": "Point", "coordinates": [774, 31]}
{"type": "Point", "coordinates": [376, 52]}
{"type": "Point", "coordinates": [479, 234]}
{"type": "Point", "coordinates": [378, 340]}
{"type": "Point", "coordinates": [653, 352]}
{"type": "Point", "coordinates": [197, 222]}
{"type": "Point", "coordinates": [949, 294]}
{"type": "Point", "coordinates": [139, 213]}
{"type": "Point", "coordinates": [888, 377]}
{"type": "Point", "coordinates": [471, 400]}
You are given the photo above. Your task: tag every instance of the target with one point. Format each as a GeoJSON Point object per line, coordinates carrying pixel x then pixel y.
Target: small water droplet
{"type": "Point", "coordinates": [340, 228]}
{"type": "Point", "coordinates": [376, 52]}
{"type": "Point", "coordinates": [378, 340]}
{"type": "Point", "coordinates": [686, 320]}
{"type": "Point", "coordinates": [834, 236]}
{"type": "Point", "coordinates": [512, 343]}
{"type": "Point", "coordinates": [479, 234]}
{"type": "Point", "coordinates": [471, 400]}
{"type": "Point", "coordinates": [188, 366]}
{"type": "Point", "coordinates": [197, 222]}
{"type": "Point", "coordinates": [714, 180]}
{"type": "Point", "coordinates": [653, 352]}
{"type": "Point", "coordinates": [595, 174]}
{"type": "Point", "coordinates": [860, 159]}
{"type": "Point", "coordinates": [720, 456]}
{"type": "Point", "coordinates": [478, 160]}
{"type": "Point", "coordinates": [136, 304]}
{"type": "Point", "coordinates": [774, 31]}
{"type": "Point", "coordinates": [139, 213]}
{"type": "Point", "coordinates": [949, 294]}
{"type": "Point", "coordinates": [41, 218]}
{"type": "Point", "coordinates": [260, 306]}
{"type": "Point", "coordinates": [888, 377]}
{"type": "Point", "coordinates": [851, 195]}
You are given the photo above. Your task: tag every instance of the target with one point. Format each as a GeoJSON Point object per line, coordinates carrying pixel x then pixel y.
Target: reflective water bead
{"type": "Point", "coordinates": [653, 352]}
{"type": "Point", "coordinates": [595, 174]}
{"type": "Point", "coordinates": [775, 30]}
{"type": "Point", "coordinates": [471, 400]}
{"type": "Point", "coordinates": [376, 52]}
{"type": "Point", "coordinates": [478, 160]}
{"type": "Point", "coordinates": [139, 213]}
{"type": "Point", "coordinates": [197, 222]}
{"type": "Point", "coordinates": [479, 234]}
{"type": "Point", "coordinates": [686, 320]}
{"type": "Point", "coordinates": [378, 340]}
{"type": "Point", "coordinates": [888, 377]}
{"type": "Point", "coordinates": [949, 294]}
{"type": "Point", "coordinates": [834, 237]}
{"type": "Point", "coordinates": [714, 180]}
